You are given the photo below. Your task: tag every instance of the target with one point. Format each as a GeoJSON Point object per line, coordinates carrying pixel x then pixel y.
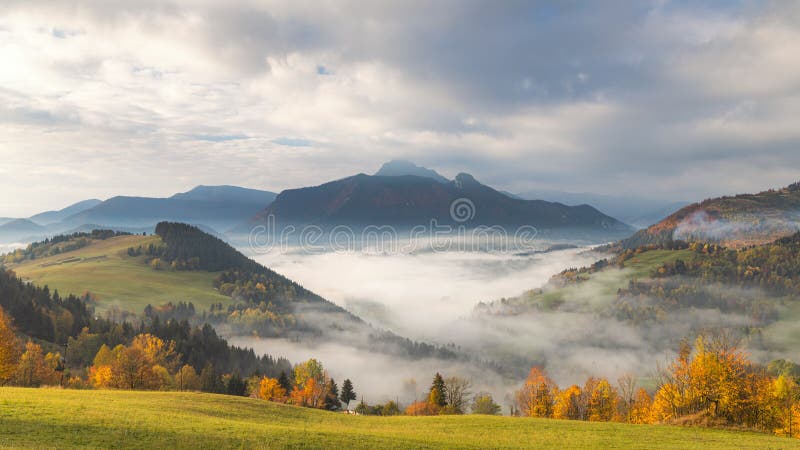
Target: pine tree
{"type": "Point", "coordinates": [438, 389]}
{"type": "Point", "coordinates": [332, 402]}
{"type": "Point", "coordinates": [284, 381]}
{"type": "Point", "coordinates": [348, 394]}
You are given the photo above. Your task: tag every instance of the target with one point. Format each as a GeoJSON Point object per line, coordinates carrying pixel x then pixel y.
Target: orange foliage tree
{"type": "Point", "coordinates": [537, 396]}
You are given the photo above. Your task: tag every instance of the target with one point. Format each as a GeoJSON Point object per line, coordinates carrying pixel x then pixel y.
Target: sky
{"type": "Point", "coordinates": [672, 100]}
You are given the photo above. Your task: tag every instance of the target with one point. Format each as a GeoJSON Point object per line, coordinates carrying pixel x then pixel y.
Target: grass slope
{"type": "Point", "coordinates": [104, 269]}
{"type": "Point", "coordinates": [600, 289]}
{"type": "Point", "coordinates": [71, 418]}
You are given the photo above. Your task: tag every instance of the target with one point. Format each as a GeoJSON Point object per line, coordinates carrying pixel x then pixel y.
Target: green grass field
{"type": "Point", "coordinates": [104, 269]}
{"type": "Point", "coordinates": [71, 418]}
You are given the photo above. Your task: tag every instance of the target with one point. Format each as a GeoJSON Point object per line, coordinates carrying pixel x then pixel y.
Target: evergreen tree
{"type": "Point", "coordinates": [236, 386]}
{"type": "Point", "coordinates": [284, 381]}
{"type": "Point", "coordinates": [348, 394]}
{"type": "Point", "coordinates": [438, 389]}
{"type": "Point", "coordinates": [332, 402]}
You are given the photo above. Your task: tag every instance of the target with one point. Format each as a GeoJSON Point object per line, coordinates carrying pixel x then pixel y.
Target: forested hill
{"type": "Point", "coordinates": [734, 221]}
{"type": "Point", "coordinates": [183, 273]}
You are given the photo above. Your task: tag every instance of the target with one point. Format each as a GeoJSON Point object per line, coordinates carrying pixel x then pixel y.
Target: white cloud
{"type": "Point", "coordinates": [104, 98]}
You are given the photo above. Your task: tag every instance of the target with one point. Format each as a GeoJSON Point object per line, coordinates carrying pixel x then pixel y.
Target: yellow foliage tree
{"type": "Point", "coordinates": [271, 389]}
{"type": "Point", "coordinates": [603, 400]}
{"type": "Point", "coordinates": [31, 369]}
{"type": "Point", "coordinates": [8, 349]}
{"type": "Point", "coordinates": [100, 376]}
{"type": "Point", "coordinates": [537, 396]}
{"type": "Point", "coordinates": [568, 404]}
{"type": "Point", "coordinates": [640, 409]}
{"type": "Point", "coordinates": [187, 379]}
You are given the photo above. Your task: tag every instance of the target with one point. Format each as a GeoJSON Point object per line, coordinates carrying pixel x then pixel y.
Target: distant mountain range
{"type": "Point", "coordinates": [637, 211]}
{"type": "Point", "coordinates": [410, 200]}
{"type": "Point", "coordinates": [219, 207]}
{"type": "Point", "coordinates": [51, 217]}
{"type": "Point", "coordinates": [400, 193]}
{"type": "Point", "coordinates": [735, 221]}
{"type": "Point", "coordinates": [213, 208]}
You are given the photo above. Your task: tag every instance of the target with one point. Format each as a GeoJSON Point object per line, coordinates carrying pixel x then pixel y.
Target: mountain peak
{"type": "Point", "coordinates": [400, 167]}
{"type": "Point", "coordinates": [463, 180]}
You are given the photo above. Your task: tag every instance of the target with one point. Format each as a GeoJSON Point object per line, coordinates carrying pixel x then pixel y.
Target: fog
{"type": "Point", "coordinates": [432, 297]}
{"type": "Point", "coordinates": [416, 294]}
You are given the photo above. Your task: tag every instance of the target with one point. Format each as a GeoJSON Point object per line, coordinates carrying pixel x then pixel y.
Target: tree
{"type": "Point", "coordinates": [31, 370]}
{"type": "Point", "coordinates": [348, 394]}
{"type": "Point", "coordinates": [457, 392]}
{"type": "Point", "coordinates": [311, 369]}
{"type": "Point", "coordinates": [602, 402]}
{"type": "Point", "coordinates": [569, 404]}
{"type": "Point", "coordinates": [8, 349]}
{"type": "Point", "coordinates": [640, 411]}
{"type": "Point", "coordinates": [284, 381]}
{"type": "Point", "coordinates": [537, 396]}
{"type": "Point", "coordinates": [187, 379]}
{"type": "Point", "coordinates": [271, 389]}
{"type": "Point", "coordinates": [209, 380]}
{"type": "Point", "coordinates": [785, 392]}
{"type": "Point", "coordinates": [332, 402]}
{"type": "Point", "coordinates": [236, 386]}
{"type": "Point", "coordinates": [483, 403]}
{"type": "Point", "coordinates": [390, 409]}
{"type": "Point", "coordinates": [437, 395]}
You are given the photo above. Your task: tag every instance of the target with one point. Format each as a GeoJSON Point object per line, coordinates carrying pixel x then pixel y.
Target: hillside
{"type": "Point", "coordinates": [227, 289]}
{"type": "Point", "coordinates": [408, 200]}
{"type": "Point", "coordinates": [74, 418]}
{"type": "Point", "coordinates": [103, 268]}
{"type": "Point", "coordinates": [734, 221]}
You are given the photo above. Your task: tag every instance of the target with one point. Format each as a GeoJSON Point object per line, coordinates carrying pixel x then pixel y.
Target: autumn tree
{"type": "Point", "coordinates": [569, 404]}
{"type": "Point", "coordinates": [537, 396]}
{"type": "Point", "coordinates": [786, 393]}
{"type": "Point", "coordinates": [8, 349]}
{"type": "Point", "coordinates": [33, 368]}
{"type": "Point", "coordinates": [602, 406]}
{"type": "Point", "coordinates": [640, 410]}
{"type": "Point", "coordinates": [271, 389]}
{"type": "Point", "coordinates": [483, 403]}
{"type": "Point", "coordinates": [348, 394]}
{"type": "Point", "coordinates": [187, 379]}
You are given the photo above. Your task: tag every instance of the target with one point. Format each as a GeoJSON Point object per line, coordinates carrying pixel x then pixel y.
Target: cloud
{"type": "Point", "coordinates": [570, 96]}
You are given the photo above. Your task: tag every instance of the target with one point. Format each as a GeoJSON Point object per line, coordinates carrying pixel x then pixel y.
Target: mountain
{"type": "Point", "coordinates": [18, 229]}
{"type": "Point", "coordinates": [50, 217]}
{"type": "Point", "coordinates": [637, 211]}
{"type": "Point", "coordinates": [407, 201]}
{"type": "Point", "coordinates": [734, 221]}
{"type": "Point", "coordinates": [231, 194]}
{"type": "Point", "coordinates": [218, 207]}
{"type": "Point", "coordinates": [400, 167]}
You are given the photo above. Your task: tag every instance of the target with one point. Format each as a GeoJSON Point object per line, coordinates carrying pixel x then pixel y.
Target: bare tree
{"type": "Point", "coordinates": [457, 393]}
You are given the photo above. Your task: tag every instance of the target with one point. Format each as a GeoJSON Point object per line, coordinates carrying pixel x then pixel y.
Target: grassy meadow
{"type": "Point", "coordinates": [104, 269]}
{"type": "Point", "coordinates": [73, 418]}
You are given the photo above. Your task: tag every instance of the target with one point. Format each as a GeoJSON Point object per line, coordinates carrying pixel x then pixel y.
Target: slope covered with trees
{"type": "Point", "coordinates": [733, 221]}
